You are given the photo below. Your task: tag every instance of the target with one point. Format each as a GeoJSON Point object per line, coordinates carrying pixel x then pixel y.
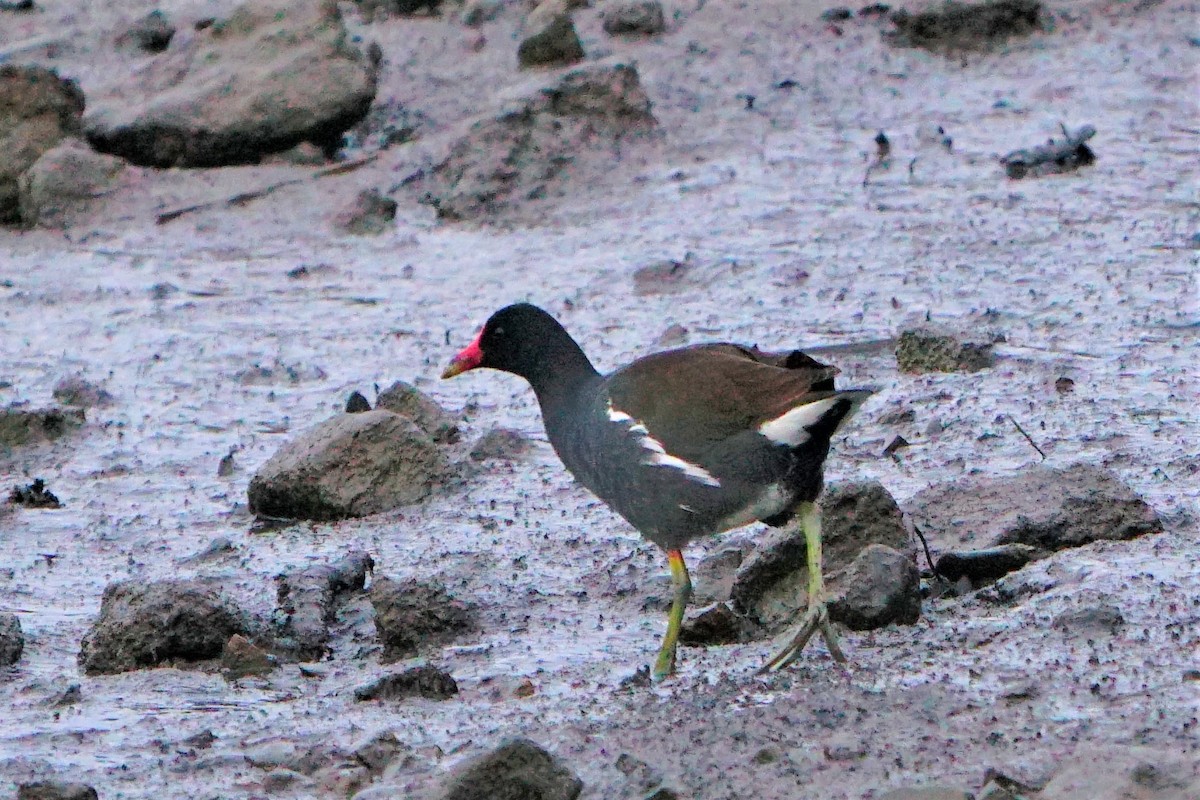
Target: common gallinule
{"type": "Point", "coordinates": [683, 443]}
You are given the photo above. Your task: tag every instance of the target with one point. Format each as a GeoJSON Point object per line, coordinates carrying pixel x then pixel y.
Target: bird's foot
{"type": "Point", "coordinates": [664, 665]}
{"type": "Point", "coordinates": [815, 618]}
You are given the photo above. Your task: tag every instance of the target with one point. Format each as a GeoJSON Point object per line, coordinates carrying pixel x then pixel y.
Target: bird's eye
{"type": "Point", "coordinates": [498, 332]}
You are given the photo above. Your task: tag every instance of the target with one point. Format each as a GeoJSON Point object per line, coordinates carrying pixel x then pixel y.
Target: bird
{"type": "Point", "coordinates": [684, 443]}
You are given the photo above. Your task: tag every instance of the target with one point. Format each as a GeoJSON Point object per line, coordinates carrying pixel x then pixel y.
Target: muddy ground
{"type": "Point", "coordinates": [1091, 275]}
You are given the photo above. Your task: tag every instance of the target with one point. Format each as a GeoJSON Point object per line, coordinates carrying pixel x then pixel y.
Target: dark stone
{"type": "Point", "coordinates": [409, 401]}
{"type": "Point", "coordinates": [349, 466]}
{"type": "Point", "coordinates": [981, 566]}
{"type": "Point", "coordinates": [307, 600]}
{"type": "Point", "coordinates": [242, 658]}
{"type": "Point", "coordinates": [502, 444]}
{"type": "Point", "coordinates": [716, 625]}
{"type": "Point", "coordinates": [356, 403]}
{"type": "Point", "coordinates": [881, 586]}
{"type": "Point", "coordinates": [37, 110]}
{"type": "Point", "coordinates": [78, 391]}
{"type": "Point", "coordinates": [423, 681]}
{"type": "Point", "coordinates": [373, 10]}
{"type": "Point", "coordinates": [555, 44]}
{"type": "Point", "coordinates": [149, 624]}
{"type": "Point", "coordinates": [518, 769]}
{"type": "Point", "coordinates": [957, 26]}
{"type": "Point", "coordinates": [837, 14]}
{"type": "Point", "coordinates": [413, 614]}
{"type": "Point", "coordinates": [35, 495]}
{"type": "Point", "coordinates": [1098, 618]}
{"type": "Point", "coordinates": [926, 350]}
{"type": "Point", "coordinates": [369, 215]}
{"type": "Point", "coordinates": [21, 426]}
{"type": "Point", "coordinates": [55, 790]}
{"type": "Point", "coordinates": [12, 640]}
{"type": "Point", "coordinates": [1044, 508]}
{"type": "Point", "coordinates": [636, 17]}
{"type": "Point", "coordinates": [150, 34]}
{"type": "Point", "coordinates": [770, 585]}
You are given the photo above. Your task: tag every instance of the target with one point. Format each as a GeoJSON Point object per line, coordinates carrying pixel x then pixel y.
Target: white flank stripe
{"type": "Point", "coordinates": [790, 428]}
{"type": "Point", "coordinates": [617, 416]}
{"type": "Point", "coordinates": [657, 454]}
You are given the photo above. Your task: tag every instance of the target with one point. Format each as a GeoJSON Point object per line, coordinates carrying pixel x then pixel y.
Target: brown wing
{"type": "Point", "coordinates": [692, 398]}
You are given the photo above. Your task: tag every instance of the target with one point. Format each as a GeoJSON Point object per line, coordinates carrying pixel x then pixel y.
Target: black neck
{"type": "Point", "coordinates": [560, 375]}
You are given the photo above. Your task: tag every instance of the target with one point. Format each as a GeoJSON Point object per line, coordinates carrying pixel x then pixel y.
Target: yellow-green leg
{"type": "Point", "coordinates": [664, 665]}
{"type": "Point", "coordinates": [816, 615]}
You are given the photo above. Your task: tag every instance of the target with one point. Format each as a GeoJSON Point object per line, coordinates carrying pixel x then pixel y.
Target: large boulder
{"type": "Point", "coordinates": [37, 109]}
{"type": "Point", "coordinates": [869, 564]}
{"type": "Point", "coordinates": [517, 155]}
{"type": "Point", "coordinates": [349, 466]}
{"type": "Point", "coordinates": [148, 624]}
{"type": "Point", "coordinates": [1042, 508]}
{"type": "Point", "coordinates": [274, 74]}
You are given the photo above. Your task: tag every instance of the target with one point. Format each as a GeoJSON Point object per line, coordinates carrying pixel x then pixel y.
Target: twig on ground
{"type": "Point", "coordinates": [1028, 438]}
{"type": "Point", "coordinates": [243, 198]}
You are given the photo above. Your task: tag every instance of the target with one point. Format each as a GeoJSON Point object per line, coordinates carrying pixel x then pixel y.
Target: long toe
{"type": "Point", "coordinates": [815, 618]}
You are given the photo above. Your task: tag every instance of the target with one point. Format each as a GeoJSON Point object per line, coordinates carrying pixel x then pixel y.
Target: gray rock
{"type": "Point", "coordinates": [501, 444]}
{"type": "Point", "coordinates": [37, 110]}
{"type": "Point", "coordinates": [55, 790]}
{"type": "Point", "coordinates": [22, 426]}
{"type": "Point", "coordinates": [242, 658]}
{"type": "Point", "coordinates": [369, 215]}
{"type": "Point", "coordinates": [147, 624]}
{"type": "Point", "coordinates": [550, 42]}
{"type": "Point", "coordinates": [301, 754]}
{"type": "Point", "coordinates": [373, 10]}
{"type": "Point", "coordinates": [12, 639]}
{"type": "Point", "coordinates": [282, 779]}
{"type": "Point", "coordinates": [272, 75]}
{"type": "Point", "coordinates": [379, 750]}
{"type": "Point", "coordinates": [412, 614]}
{"type": "Point", "coordinates": [409, 401]}
{"type": "Point", "coordinates": [770, 586]}
{"type": "Point", "coordinates": [349, 466]}
{"type": "Point", "coordinates": [63, 183]}
{"type": "Point", "coordinates": [518, 155]}
{"type": "Point", "coordinates": [927, 350]}
{"type": "Point", "coordinates": [718, 624]}
{"type": "Point", "coordinates": [421, 681]}
{"type": "Point", "coordinates": [638, 17]}
{"type": "Point", "coordinates": [1098, 618]}
{"type": "Point", "coordinates": [961, 26]}
{"type": "Point", "coordinates": [307, 601]}
{"type": "Point", "coordinates": [75, 390]}
{"type": "Point", "coordinates": [881, 586]}
{"type": "Point", "coordinates": [518, 768]}
{"type": "Point", "coordinates": [988, 564]}
{"type": "Point", "coordinates": [150, 34]}
{"type": "Point", "coordinates": [1042, 507]}
{"type": "Point", "coordinates": [356, 403]}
